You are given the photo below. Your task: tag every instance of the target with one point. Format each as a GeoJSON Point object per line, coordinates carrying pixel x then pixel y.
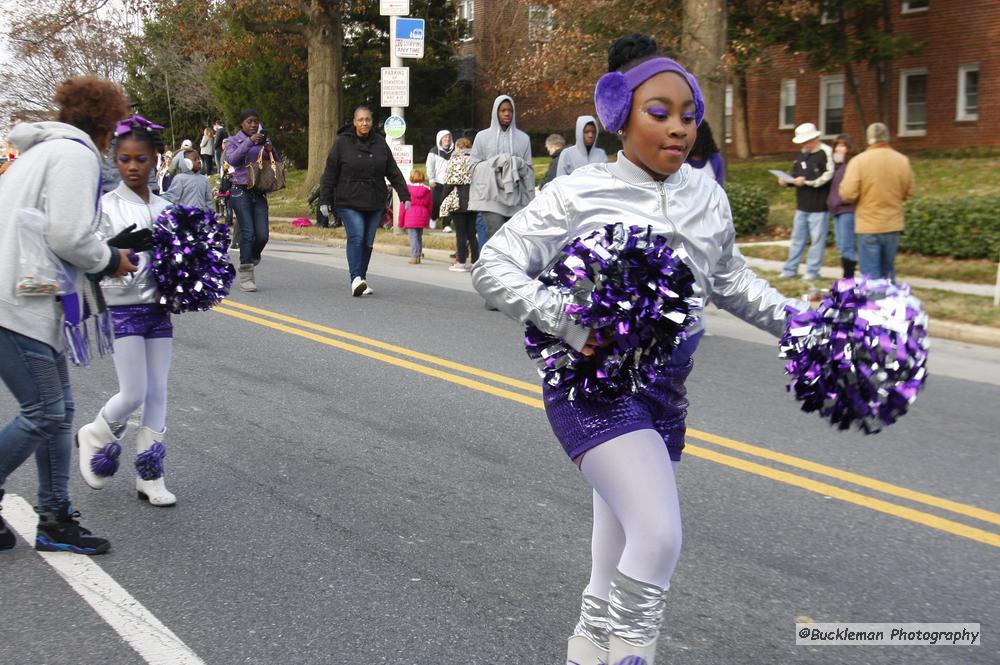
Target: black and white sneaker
{"type": "Point", "coordinates": [58, 531]}
{"type": "Point", "coordinates": [358, 287]}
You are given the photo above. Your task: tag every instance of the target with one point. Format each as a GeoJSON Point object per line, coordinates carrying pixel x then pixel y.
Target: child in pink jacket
{"type": "Point", "coordinates": [417, 215]}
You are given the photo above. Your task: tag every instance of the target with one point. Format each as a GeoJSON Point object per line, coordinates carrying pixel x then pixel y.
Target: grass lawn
{"type": "Point", "coordinates": [975, 271]}
{"type": "Point", "coordinates": [944, 305]}
{"type": "Point", "coordinates": [936, 177]}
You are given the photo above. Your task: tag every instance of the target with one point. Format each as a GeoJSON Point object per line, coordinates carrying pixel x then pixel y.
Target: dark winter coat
{"type": "Point", "coordinates": [356, 171]}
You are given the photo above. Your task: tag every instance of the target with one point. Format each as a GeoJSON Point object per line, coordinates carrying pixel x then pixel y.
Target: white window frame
{"type": "Point", "coordinates": [905, 8]}
{"type": "Point", "coordinates": [904, 74]}
{"type": "Point", "coordinates": [467, 7]}
{"type": "Point", "coordinates": [537, 30]}
{"type": "Point", "coordinates": [727, 112]}
{"type": "Point", "coordinates": [961, 114]}
{"type": "Point", "coordinates": [782, 102]}
{"type": "Point", "coordinates": [823, 81]}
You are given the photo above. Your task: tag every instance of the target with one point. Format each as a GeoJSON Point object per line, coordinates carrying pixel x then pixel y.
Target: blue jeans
{"type": "Point", "coordinates": [877, 254]}
{"type": "Point", "coordinates": [843, 231]}
{"type": "Point", "coordinates": [361, 226]}
{"type": "Point", "coordinates": [251, 215]}
{"type": "Point", "coordinates": [807, 227]}
{"type": "Point", "coordinates": [37, 376]}
{"type": "Point", "coordinates": [481, 235]}
{"type": "Point", "coordinates": [416, 242]}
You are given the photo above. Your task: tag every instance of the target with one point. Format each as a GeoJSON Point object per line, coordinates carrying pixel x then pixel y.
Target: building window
{"type": "Point", "coordinates": [539, 23]}
{"type": "Point", "coordinates": [914, 6]}
{"type": "Point", "coordinates": [968, 93]}
{"type": "Point", "coordinates": [728, 119]}
{"type": "Point", "coordinates": [467, 17]}
{"type": "Point", "coordinates": [831, 105]}
{"type": "Point", "coordinates": [786, 113]}
{"type": "Point", "coordinates": [913, 102]}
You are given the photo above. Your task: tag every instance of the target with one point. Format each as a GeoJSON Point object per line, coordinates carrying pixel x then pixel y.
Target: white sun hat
{"type": "Point", "coordinates": [806, 132]}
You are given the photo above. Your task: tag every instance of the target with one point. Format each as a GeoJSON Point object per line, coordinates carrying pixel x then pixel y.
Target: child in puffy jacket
{"type": "Point", "coordinates": [415, 216]}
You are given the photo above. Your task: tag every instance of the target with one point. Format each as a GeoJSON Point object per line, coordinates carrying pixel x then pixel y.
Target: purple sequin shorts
{"type": "Point", "coordinates": [586, 423]}
{"type": "Point", "coordinates": [149, 321]}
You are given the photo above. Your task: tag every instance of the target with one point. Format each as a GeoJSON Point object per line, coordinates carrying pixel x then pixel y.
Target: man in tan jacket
{"type": "Point", "coordinates": [879, 180]}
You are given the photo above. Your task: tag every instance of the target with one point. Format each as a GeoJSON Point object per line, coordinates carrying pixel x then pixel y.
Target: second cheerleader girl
{"type": "Point", "coordinates": [143, 331]}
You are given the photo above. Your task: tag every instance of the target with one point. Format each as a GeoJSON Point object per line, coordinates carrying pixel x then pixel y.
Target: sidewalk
{"type": "Point", "coordinates": [834, 273]}
{"type": "Point", "coordinates": [961, 332]}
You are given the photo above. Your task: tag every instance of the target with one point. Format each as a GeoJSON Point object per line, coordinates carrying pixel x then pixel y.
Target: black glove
{"type": "Point", "coordinates": [139, 241]}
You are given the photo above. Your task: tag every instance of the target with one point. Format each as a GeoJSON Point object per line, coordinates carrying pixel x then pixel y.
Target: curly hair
{"type": "Point", "coordinates": [630, 50]}
{"type": "Point", "coordinates": [92, 104]}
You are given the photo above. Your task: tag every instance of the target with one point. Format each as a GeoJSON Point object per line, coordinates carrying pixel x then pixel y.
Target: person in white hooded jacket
{"type": "Point", "coordinates": [503, 180]}
{"type": "Point", "coordinates": [585, 150]}
{"type": "Point", "coordinates": [56, 177]}
{"type": "Point", "coordinates": [437, 168]}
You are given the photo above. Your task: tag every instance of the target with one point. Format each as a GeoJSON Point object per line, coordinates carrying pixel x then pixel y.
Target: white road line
{"type": "Point", "coordinates": [153, 641]}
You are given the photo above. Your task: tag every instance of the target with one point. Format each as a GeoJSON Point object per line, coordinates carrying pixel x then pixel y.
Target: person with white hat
{"type": "Point", "coordinates": [812, 172]}
{"type": "Point", "coordinates": [175, 163]}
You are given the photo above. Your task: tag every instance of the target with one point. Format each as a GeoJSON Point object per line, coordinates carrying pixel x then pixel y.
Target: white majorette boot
{"type": "Point", "coordinates": [635, 613]}
{"type": "Point", "coordinates": [589, 643]}
{"type": "Point", "coordinates": [99, 450]}
{"type": "Point", "coordinates": [150, 452]}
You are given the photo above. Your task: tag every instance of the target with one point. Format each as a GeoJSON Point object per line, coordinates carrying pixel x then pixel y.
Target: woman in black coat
{"type": "Point", "coordinates": [353, 184]}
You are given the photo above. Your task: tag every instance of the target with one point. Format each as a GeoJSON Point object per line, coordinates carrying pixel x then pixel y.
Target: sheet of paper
{"type": "Point", "coordinates": [782, 175]}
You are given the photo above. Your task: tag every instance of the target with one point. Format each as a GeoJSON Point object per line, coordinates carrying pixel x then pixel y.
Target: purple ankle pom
{"type": "Point", "coordinates": [105, 462]}
{"type": "Point", "coordinates": [149, 464]}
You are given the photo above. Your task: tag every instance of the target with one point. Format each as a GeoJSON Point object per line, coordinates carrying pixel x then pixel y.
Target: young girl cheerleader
{"type": "Point", "coordinates": [628, 449]}
{"type": "Point", "coordinates": [143, 331]}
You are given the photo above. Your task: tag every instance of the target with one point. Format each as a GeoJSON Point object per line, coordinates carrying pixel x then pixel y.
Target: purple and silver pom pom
{"type": "Point", "coordinates": [635, 292]}
{"type": "Point", "coordinates": [190, 259]}
{"type": "Point", "coordinates": [149, 463]}
{"type": "Point", "coordinates": [105, 462]}
{"type": "Point", "coordinates": [860, 358]}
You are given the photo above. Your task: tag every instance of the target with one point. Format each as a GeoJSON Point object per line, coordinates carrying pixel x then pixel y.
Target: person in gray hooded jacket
{"type": "Point", "coordinates": [32, 356]}
{"type": "Point", "coordinates": [503, 180]}
{"type": "Point", "coordinates": [585, 150]}
{"type": "Point", "coordinates": [190, 187]}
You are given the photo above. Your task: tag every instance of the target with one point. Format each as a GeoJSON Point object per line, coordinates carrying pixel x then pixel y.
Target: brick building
{"type": "Point", "coordinates": [945, 97]}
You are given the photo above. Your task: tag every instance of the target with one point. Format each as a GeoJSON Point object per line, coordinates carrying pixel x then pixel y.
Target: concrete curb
{"type": "Point", "coordinates": [959, 332]}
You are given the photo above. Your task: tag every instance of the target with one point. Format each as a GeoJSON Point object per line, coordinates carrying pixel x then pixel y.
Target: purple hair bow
{"type": "Point", "coordinates": [128, 124]}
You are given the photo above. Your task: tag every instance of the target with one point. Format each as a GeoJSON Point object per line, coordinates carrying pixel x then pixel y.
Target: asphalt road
{"type": "Point", "coordinates": [347, 498]}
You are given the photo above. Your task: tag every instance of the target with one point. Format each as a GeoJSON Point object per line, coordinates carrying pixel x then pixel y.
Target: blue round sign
{"type": "Point", "coordinates": [394, 127]}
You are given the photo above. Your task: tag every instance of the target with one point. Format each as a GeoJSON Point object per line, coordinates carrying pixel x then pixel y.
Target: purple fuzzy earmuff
{"type": "Point", "coordinates": [613, 94]}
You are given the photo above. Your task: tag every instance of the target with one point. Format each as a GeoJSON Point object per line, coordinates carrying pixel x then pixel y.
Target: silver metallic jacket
{"type": "Point", "coordinates": [688, 208]}
{"type": "Point", "coordinates": [123, 207]}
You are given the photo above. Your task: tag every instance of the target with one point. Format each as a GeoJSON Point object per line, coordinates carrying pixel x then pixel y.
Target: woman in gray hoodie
{"type": "Point", "coordinates": [32, 357]}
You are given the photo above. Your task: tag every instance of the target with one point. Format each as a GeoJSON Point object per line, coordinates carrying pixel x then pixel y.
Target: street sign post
{"type": "Point", "coordinates": [408, 40]}
{"type": "Point", "coordinates": [394, 7]}
{"type": "Point", "coordinates": [394, 127]}
{"type": "Point", "coordinates": [395, 86]}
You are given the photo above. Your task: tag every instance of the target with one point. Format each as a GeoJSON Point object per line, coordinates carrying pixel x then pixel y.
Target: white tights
{"type": "Point", "coordinates": [142, 366]}
{"type": "Point", "coordinates": [637, 516]}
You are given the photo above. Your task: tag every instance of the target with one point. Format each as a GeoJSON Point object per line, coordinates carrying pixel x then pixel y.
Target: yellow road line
{"type": "Point", "coordinates": [707, 437]}
{"type": "Point", "coordinates": [392, 360]}
{"type": "Point", "coordinates": [855, 478]}
{"type": "Point", "coordinates": [825, 489]}
{"type": "Point", "coordinates": [474, 371]}
{"type": "Point", "coordinates": [933, 521]}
